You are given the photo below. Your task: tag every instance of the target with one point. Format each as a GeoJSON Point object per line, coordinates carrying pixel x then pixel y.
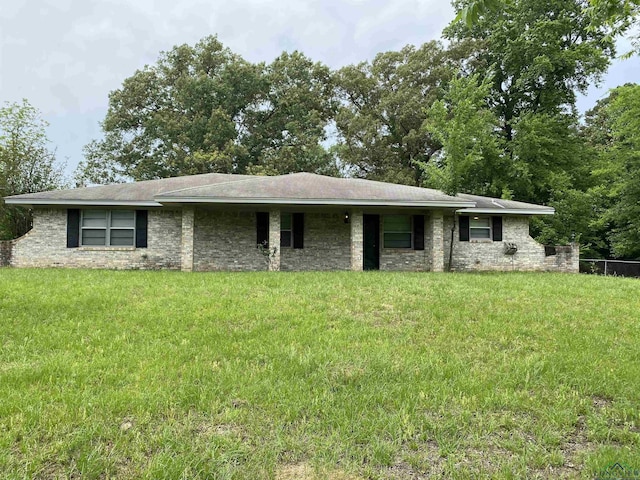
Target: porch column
{"type": "Point", "coordinates": [274, 240]}
{"type": "Point", "coordinates": [357, 240]}
{"type": "Point", "coordinates": [436, 225]}
{"type": "Point", "coordinates": [187, 239]}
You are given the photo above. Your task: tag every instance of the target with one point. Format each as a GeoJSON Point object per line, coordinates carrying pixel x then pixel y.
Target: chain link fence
{"type": "Point", "coordinates": [620, 268]}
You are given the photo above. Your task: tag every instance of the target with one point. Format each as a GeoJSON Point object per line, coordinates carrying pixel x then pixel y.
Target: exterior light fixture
{"type": "Point", "coordinates": [347, 219]}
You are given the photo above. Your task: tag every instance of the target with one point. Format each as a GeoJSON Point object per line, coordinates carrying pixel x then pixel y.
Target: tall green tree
{"type": "Point", "coordinates": [383, 106]}
{"type": "Point", "coordinates": [624, 111]}
{"type": "Point", "coordinates": [618, 16]}
{"type": "Point", "coordinates": [582, 209]}
{"type": "Point", "coordinates": [176, 117]}
{"type": "Point", "coordinates": [469, 161]}
{"type": "Point", "coordinates": [27, 163]}
{"type": "Point", "coordinates": [285, 128]}
{"type": "Point", "coordinates": [600, 210]}
{"type": "Point", "coordinates": [203, 109]}
{"type": "Point", "coordinates": [540, 55]}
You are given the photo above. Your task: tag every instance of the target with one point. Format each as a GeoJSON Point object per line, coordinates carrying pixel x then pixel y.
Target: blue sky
{"type": "Point", "coordinates": [65, 56]}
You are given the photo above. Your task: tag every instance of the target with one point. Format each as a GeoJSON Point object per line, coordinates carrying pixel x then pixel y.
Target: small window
{"type": "Point", "coordinates": [286, 230]}
{"type": "Point", "coordinates": [397, 231]}
{"type": "Point", "coordinates": [108, 228]}
{"type": "Point", "coordinates": [480, 228]}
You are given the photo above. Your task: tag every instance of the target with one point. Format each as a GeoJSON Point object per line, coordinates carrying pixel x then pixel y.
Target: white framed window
{"type": "Point", "coordinates": [286, 230]}
{"type": "Point", "coordinates": [480, 228]}
{"type": "Point", "coordinates": [116, 228]}
{"type": "Point", "coordinates": [397, 231]}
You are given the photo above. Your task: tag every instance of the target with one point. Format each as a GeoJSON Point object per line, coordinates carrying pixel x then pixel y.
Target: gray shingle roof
{"type": "Point", "coordinates": [499, 205]}
{"type": "Point", "coordinates": [294, 189]}
{"type": "Point", "coordinates": [129, 192]}
{"type": "Point", "coordinates": [308, 188]}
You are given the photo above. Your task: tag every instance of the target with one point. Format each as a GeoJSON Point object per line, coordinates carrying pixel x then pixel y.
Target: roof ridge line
{"type": "Point", "coordinates": [213, 185]}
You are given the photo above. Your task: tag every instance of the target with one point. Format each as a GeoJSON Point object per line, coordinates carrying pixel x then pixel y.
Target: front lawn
{"type": "Point", "coordinates": [317, 375]}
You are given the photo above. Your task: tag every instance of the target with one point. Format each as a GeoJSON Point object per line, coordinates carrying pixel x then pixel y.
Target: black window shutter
{"type": "Point", "coordinates": [298, 230]}
{"type": "Point", "coordinates": [497, 228]}
{"type": "Point", "coordinates": [73, 228]}
{"type": "Point", "coordinates": [418, 232]}
{"type": "Point", "coordinates": [262, 228]}
{"type": "Point", "coordinates": [464, 228]}
{"type": "Point", "coordinates": [141, 228]}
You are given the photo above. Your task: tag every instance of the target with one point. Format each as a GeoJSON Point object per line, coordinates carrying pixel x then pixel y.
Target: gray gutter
{"type": "Point", "coordinates": [97, 203]}
{"type": "Point", "coordinates": [317, 201]}
{"type": "Point", "coordinates": [508, 211]}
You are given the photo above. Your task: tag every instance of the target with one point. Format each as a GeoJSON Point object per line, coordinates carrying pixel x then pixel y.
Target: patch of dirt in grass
{"type": "Point", "coordinates": [601, 402]}
{"type": "Point", "coordinates": [127, 424]}
{"type": "Point", "coordinates": [577, 443]}
{"type": "Point", "coordinates": [428, 457]}
{"type": "Point", "coordinates": [294, 471]}
{"type": "Point", "coordinates": [576, 447]}
{"type": "Point", "coordinates": [304, 471]}
{"type": "Point", "coordinates": [125, 468]}
{"type": "Point", "coordinates": [55, 471]}
{"type": "Point", "coordinates": [208, 429]}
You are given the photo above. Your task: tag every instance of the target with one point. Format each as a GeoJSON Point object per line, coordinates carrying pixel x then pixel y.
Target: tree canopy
{"type": "Point", "coordinates": [205, 109]}
{"type": "Point", "coordinates": [624, 158]}
{"type": "Point", "coordinates": [383, 106]}
{"type": "Point", "coordinates": [27, 163]}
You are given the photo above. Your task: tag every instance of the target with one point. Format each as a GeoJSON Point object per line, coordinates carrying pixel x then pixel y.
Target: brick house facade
{"type": "Point", "coordinates": [223, 222]}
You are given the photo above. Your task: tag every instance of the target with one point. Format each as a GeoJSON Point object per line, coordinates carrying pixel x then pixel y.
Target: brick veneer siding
{"type": "Point", "coordinates": [489, 255]}
{"type": "Point", "coordinates": [327, 244]}
{"type": "Point", "coordinates": [274, 240]}
{"type": "Point", "coordinates": [436, 233]}
{"type": "Point", "coordinates": [357, 240]}
{"type": "Point", "coordinates": [46, 245]}
{"type": "Point", "coordinates": [226, 240]}
{"type": "Point", "coordinates": [186, 239]}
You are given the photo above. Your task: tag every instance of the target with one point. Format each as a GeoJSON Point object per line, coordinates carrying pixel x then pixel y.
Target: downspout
{"type": "Point", "coordinates": [453, 229]}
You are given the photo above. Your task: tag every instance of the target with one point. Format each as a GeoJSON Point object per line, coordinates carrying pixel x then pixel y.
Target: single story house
{"type": "Point", "coordinates": [299, 221]}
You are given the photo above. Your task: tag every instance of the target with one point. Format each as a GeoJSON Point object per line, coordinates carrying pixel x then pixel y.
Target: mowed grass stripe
{"type": "Point", "coordinates": [330, 375]}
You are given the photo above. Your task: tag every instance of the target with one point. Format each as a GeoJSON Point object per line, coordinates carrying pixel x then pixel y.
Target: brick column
{"type": "Point", "coordinates": [436, 225]}
{"type": "Point", "coordinates": [187, 239]}
{"type": "Point", "coordinates": [357, 240]}
{"type": "Point", "coordinates": [274, 240]}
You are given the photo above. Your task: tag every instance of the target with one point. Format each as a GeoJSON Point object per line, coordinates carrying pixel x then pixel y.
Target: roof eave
{"type": "Point", "coordinates": [508, 211]}
{"type": "Point", "coordinates": [97, 203]}
{"type": "Point", "coordinates": [316, 201]}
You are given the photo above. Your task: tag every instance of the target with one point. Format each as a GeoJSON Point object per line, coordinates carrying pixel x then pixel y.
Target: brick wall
{"type": "Point", "coordinates": [327, 244]}
{"type": "Point", "coordinates": [226, 240]}
{"type": "Point", "coordinates": [46, 245]}
{"type": "Point", "coordinates": [489, 255]}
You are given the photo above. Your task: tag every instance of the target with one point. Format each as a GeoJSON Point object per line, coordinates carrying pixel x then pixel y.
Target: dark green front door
{"type": "Point", "coordinates": [371, 242]}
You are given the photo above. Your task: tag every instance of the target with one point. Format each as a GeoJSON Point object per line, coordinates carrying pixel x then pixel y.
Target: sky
{"type": "Point", "coordinates": [65, 56]}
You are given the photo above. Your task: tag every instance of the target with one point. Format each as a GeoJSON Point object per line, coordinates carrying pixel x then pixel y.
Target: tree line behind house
{"type": "Point", "coordinates": [489, 110]}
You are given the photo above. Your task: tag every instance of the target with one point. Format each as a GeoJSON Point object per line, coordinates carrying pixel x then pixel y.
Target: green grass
{"type": "Point", "coordinates": [329, 375]}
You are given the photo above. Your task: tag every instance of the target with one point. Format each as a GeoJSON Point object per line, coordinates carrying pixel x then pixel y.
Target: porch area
{"type": "Point", "coordinates": [311, 238]}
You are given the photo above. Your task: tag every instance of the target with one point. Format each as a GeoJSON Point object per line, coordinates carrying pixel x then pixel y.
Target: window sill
{"type": "Point", "coordinates": [481, 240]}
{"type": "Point", "coordinates": [105, 248]}
{"type": "Point", "coordinates": [398, 250]}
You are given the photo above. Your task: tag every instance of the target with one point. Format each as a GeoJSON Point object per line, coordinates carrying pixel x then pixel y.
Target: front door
{"type": "Point", "coordinates": [371, 242]}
